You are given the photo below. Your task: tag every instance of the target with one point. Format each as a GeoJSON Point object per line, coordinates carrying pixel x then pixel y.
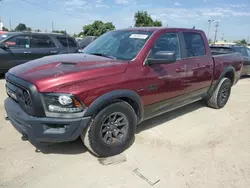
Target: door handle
{"type": "Point", "coordinates": [178, 70]}
{"type": "Point", "coordinates": [53, 52]}
{"type": "Point", "coordinates": [27, 52]}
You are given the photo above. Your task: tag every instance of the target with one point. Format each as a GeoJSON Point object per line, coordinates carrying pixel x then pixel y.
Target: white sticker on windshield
{"type": "Point", "coordinates": [138, 36]}
{"type": "Point", "coordinates": [4, 36]}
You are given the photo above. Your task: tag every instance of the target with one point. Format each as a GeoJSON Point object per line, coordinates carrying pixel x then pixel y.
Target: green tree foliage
{"type": "Point", "coordinates": [241, 42]}
{"type": "Point", "coordinates": [5, 29]}
{"type": "Point", "coordinates": [28, 29]}
{"type": "Point", "coordinates": [21, 27]}
{"type": "Point", "coordinates": [143, 19]}
{"type": "Point", "coordinates": [97, 28]}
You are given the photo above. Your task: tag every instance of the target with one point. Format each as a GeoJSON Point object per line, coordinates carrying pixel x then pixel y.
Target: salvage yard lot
{"type": "Point", "coordinates": [194, 146]}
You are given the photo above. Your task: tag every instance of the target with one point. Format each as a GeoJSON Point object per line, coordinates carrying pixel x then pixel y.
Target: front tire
{"type": "Point", "coordinates": [111, 131]}
{"type": "Point", "coordinates": [221, 94]}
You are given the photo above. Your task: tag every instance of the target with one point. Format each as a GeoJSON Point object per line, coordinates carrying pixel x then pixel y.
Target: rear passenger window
{"type": "Point", "coordinates": [194, 44]}
{"type": "Point", "coordinates": [41, 41]}
{"type": "Point", "coordinates": [66, 41]}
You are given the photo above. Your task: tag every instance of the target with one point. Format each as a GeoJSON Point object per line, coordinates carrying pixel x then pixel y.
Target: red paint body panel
{"type": "Point", "coordinates": [93, 76]}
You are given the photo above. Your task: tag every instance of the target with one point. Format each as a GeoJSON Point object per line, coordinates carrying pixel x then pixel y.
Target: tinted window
{"type": "Point", "coordinates": [66, 41]}
{"type": "Point", "coordinates": [241, 50]}
{"type": "Point", "coordinates": [41, 41]}
{"type": "Point", "coordinates": [248, 51]}
{"type": "Point", "coordinates": [85, 41]}
{"type": "Point", "coordinates": [195, 44]}
{"type": "Point", "coordinates": [122, 44]}
{"type": "Point", "coordinates": [167, 42]}
{"type": "Point", "coordinates": [20, 41]}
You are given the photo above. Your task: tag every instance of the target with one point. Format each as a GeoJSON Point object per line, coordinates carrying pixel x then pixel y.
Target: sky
{"type": "Point", "coordinates": [233, 16]}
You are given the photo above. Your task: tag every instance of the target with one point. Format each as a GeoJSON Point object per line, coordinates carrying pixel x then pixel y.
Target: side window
{"type": "Point", "coordinates": [194, 44]}
{"type": "Point", "coordinates": [248, 51]}
{"type": "Point", "coordinates": [41, 41]}
{"type": "Point", "coordinates": [66, 41]}
{"type": "Point", "coordinates": [167, 42]}
{"type": "Point", "coordinates": [20, 41]}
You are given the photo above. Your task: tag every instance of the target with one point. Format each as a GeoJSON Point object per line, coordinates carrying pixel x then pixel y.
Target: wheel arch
{"type": "Point", "coordinates": [128, 96]}
{"type": "Point", "coordinates": [228, 72]}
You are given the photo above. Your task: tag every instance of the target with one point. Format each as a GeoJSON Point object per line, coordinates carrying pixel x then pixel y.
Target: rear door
{"type": "Point", "coordinates": [199, 63]}
{"type": "Point", "coordinates": [42, 45]}
{"type": "Point", "coordinates": [17, 53]}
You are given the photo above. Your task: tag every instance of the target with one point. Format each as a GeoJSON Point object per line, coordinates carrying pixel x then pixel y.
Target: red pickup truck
{"type": "Point", "coordinates": [122, 78]}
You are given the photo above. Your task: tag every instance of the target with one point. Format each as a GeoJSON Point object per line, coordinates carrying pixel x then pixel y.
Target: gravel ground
{"type": "Point", "coordinates": [194, 146]}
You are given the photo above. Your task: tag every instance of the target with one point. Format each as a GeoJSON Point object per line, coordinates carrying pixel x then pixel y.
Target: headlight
{"type": "Point", "coordinates": [62, 103]}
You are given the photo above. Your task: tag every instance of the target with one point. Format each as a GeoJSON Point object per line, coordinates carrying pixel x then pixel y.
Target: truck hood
{"type": "Point", "coordinates": [51, 72]}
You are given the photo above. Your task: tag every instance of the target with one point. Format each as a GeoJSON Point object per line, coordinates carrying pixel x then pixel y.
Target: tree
{"type": "Point", "coordinates": [21, 27]}
{"type": "Point", "coordinates": [241, 42]}
{"type": "Point", "coordinates": [28, 29]}
{"type": "Point", "coordinates": [143, 19]}
{"type": "Point", "coordinates": [5, 29]}
{"type": "Point", "coordinates": [97, 28]}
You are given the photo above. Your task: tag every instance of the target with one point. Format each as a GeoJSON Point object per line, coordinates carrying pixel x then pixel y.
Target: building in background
{"type": "Point", "coordinates": [1, 24]}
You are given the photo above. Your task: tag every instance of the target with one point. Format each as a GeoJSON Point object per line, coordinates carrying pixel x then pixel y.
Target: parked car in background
{"type": "Point", "coordinates": [19, 47]}
{"type": "Point", "coordinates": [85, 42]}
{"type": "Point", "coordinates": [243, 50]}
{"type": "Point", "coordinates": [122, 78]}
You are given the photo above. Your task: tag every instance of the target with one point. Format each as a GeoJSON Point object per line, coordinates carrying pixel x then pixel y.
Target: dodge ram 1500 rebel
{"type": "Point", "coordinates": [122, 78]}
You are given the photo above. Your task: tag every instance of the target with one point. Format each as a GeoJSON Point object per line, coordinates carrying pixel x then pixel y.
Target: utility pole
{"type": "Point", "coordinates": [209, 25]}
{"type": "Point", "coordinates": [52, 26]}
{"type": "Point", "coordinates": [10, 25]}
{"type": "Point", "coordinates": [216, 31]}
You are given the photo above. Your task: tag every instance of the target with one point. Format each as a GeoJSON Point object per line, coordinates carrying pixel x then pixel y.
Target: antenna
{"type": "Point", "coordinates": [67, 41]}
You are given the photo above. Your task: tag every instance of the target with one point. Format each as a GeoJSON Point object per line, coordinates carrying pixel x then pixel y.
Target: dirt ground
{"type": "Point", "coordinates": [194, 146]}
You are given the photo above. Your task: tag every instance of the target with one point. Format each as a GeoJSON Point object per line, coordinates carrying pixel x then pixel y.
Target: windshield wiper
{"type": "Point", "coordinates": [103, 55]}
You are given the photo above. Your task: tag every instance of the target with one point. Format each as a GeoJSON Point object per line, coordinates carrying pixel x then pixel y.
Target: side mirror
{"type": "Point", "coordinates": [4, 46]}
{"type": "Point", "coordinates": [162, 57]}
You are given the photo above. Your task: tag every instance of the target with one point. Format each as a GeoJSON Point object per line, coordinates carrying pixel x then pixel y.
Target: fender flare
{"type": "Point", "coordinates": [105, 99]}
{"type": "Point", "coordinates": [223, 74]}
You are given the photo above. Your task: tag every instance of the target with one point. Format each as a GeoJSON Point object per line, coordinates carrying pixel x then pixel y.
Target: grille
{"type": "Point", "coordinates": [20, 93]}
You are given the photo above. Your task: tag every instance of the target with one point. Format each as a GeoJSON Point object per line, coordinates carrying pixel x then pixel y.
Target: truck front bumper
{"type": "Point", "coordinates": [44, 129]}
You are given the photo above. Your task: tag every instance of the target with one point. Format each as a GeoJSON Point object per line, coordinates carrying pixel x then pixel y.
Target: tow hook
{"type": "Point", "coordinates": [7, 118]}
{"type": "Point", "coordinates": [24, 137]}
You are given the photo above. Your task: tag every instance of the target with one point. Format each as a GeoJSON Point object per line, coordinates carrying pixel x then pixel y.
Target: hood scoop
{"type": "Point", "coordinates": [67, 64]}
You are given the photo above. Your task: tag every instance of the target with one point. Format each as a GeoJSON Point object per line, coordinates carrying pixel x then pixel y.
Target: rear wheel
{"type": "Point", "coordinates": [221, 94]}
{"type": "Point", "coordinates": [111, 131]}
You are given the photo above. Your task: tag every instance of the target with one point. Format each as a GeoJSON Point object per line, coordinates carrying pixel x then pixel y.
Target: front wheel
{"type": "Point", "coordinates": [111, 131]}
{"type": "Point", "coordinates": [221, 94]}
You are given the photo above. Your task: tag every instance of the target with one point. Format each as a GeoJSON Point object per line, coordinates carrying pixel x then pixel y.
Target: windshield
{"type": "Point", "coordinates": [124, 45]}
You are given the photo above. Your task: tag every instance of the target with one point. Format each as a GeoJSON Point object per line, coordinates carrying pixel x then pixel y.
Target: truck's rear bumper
{"type": "Point", "coordinates": [44, 129]}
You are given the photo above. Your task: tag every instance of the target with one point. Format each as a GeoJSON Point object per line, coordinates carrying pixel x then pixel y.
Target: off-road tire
{"type": "Point", "coordinates": [91, 136]}
{"type": "Point", "coordinates": [215, 100]}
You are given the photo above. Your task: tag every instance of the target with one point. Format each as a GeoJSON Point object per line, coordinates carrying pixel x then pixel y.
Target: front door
{"type": "Point", "coordinates": [17, 53]}
{"type": "Point", "coordinates": [164, 81]}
